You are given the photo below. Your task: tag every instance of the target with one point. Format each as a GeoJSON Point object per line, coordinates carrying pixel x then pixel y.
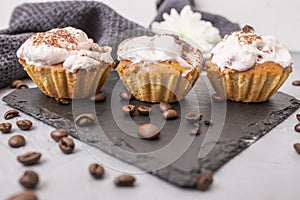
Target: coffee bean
{"type": "Point", "coordinates": [16, 141]}
{"type": "Point", "coordinates": [11, 114]}
{"type": "Point", "coordinates": [208, 122]}
{"type": "Point", "coordinates": [24, 124]}
{"type": "Point", "coordinates": [29, 158]}
{"type": "Point", "coordinates": [170, 114]}
{"type": "Point", "coordinates": [66, 145]}
{"type": "Point", "coordinates": [296, 83]}
{"type": "Point", "coordinates": [148, 131]}
{"type": "Point", "coordinates": [297, 147]}
{"type": "Point", "coordinates": [297, 127]}
{"type": "Point", "coordinates": [23, 196]}
{"type": "Point", "coordinates": [163, 106]}
{"type": "Point", "coordinates": [126, 96]}
{"type": "Point", "coordinates": [22, 85]}
{"type": "Point", "coordinates": [63, 101]}
{"type": "Point", "coordinates": [99, 97]}
{"type": "Point", "coordinates": [56, 135]}
{"type": "Point", "coordinates": [192, 117]}
{"type": "Point", "coordinates": [85, 119]}
{"type": "Point", "coordinates": [5, 127]}
{"type": "Point", "coordinates": [217, 98]}
{"type": "Point", "coordinates": [125, 180]}
{"type": "Point", "coordinates": [204, 181]}
{"type": "Point", "coordinates": [144, 110]}
{"type": "Point", "coordinates": [15, 83]}
{"type": "Point", "coordinates": [29, 179]}
{"type": "Point", "coordinates": [128, 109]}
{"type": "Point", "coordinates": [96, 170]}
{"type": "Point", "coordinates": [298, 117]}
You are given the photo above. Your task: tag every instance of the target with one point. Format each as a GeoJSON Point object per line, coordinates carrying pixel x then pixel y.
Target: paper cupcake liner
{"type": "Point", "coordinates": [56, 82]}
{"type": "Point", "coordinates": [255, 85]}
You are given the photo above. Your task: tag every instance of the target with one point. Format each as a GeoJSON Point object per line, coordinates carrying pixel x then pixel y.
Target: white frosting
{"type": "Point", "coordinates": [159, 48]}
{"type": "Point", "coordinates": [69, 46]}
{"type": "Point", "coordinates": [189, 27]}
{"type": "Point", "coordinates": [241, 50]}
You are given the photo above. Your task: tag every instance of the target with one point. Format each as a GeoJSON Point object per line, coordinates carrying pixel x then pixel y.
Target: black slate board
{"type": "Point", "coordinates": [175, 156]}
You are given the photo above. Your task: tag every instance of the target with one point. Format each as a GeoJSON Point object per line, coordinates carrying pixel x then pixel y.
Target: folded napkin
{"type": "Point", "coordinates": [99, 21]}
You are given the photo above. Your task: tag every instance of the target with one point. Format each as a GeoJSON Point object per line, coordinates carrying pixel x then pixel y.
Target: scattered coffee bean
{"type": "Point", "coordinates": [126, 96]}
{"type": "Point", "coordinates": [217, 98]}
{"type": "Point", "coordinates": [196, 131]}
{"type": "Point", "coordinates": [56, 135]}
{"type": "Point", "coordinates": [66, 145]}
{"type": "Point", "coordinates": [128, 109]}
{"type": "Point", "coordinates": [192, 117]}
{"type": "Point", "coordinates": [11, 114]}
{"type": "Point", "coordinates": [16, 141]}
{"type": "Point", "coordinates": [63, 101]}
{"type": "Point", "coordinates": [297, 127]}
{"type": "Point", "coordinates": [296, 83]}
{"type": "Point", "coordinates": [99, 97]}
{"type": "Point", "coordinates": [170, 114]}
{"type": "Point", "coordinates": [5, 127]}
{"type": "Point", "coordinates": [208, 122]}
{"type": "Point", "coordinates": [148, 131]}
{"type": "Point", "coordinates": [29, 179]}
{"type": "Point", "coordinates": [163, 106]}
{"type": "Point", "coordinates": [22, 85]}
{"type": "Point", "coordinates": [24, 196]}
{"type": "Point", "coordinates": [144, 110]}
{"type": "Point", "coordinates": [96, 170]}
{"type": "Point", "coordinates": [125, 180]}
{"type": "Point", "coordinates": [85, 119]}
{"type": "Point", "coordinates": [15, 83]}
{"type": "Point", "coordinates": [298, 117]}
{"type": "Point", "coordinates": [204, 181]}
{"type": "Point", "coordinates": [24, 124]}
{"type": "Point", "coordinates": [29, 158]}
{"type": "Point", "coordinates": [297, 147]}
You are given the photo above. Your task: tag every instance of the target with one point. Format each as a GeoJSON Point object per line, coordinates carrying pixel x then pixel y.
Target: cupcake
{"type": "Point", "coordinates": [246, 67]}
{"type": "Point", "coordinates": [65, 63]}
{"type": "Point", "coordinates": [161, 68]}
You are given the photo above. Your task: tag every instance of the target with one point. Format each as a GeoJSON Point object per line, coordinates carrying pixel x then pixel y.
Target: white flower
{"type": "Point", "coordinates": [189, 27]}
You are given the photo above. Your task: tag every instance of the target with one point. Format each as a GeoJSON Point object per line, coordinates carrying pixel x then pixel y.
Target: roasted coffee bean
{"type": "Point", "coordinates": [66, 145]}
{"type": "Point", "coordinates": [125, 180]}
{"type": "Point", "coordinates": [11, 114]}
{"type": "Point", "coordinates": [149, 131]}
{"type": "Point", "coordinates": [96, 170]}
{"type": "Point", "coordinates": [204, 181]}
{"type": "Point", "coordinates": [99, 97]}
{"type": "Point", "coordinates": [297, 127]}
{"type": "Point", "coordinates": [15, 83]}
{"type": "Point", "coordinates": [170, 114]}
{"type": "Point", "coordinates": [29, 179]}
{"type": "Point", "coordinates": [16, 141]}
{"type": "Point", "coordinates": [196, 131]}
{"type": "Point", "coordinates": [217, 98]}
{"type": "Point", "coordinates": [163, 106]}
{"type": "Point", "coordinates": [298, 117]}
{"type": "Point", "coordinates": [208, 122]}
{"type": "Point", "coordinates": [22, 85]}
{"type": "Point", "coordinates": [297, 147]}
{"type": "Point", "coordinates": [56, 135]}
{"type": "Point", "coordinates": [23, 196]}
{"type": "Point", "coordinates": [29, 158]}
{"type": "Point", "coordinates": [144, 110]}
{"type": "Point", "coordinates": [63, 101]}
{"type": "Point", "coordinates": [24, 124]}
{"type": "Point", "coordinates": [126, 96]}
{"type": "Point", "coordinates": [128, 109]}
{"type": "Point", "coordinates": [296, 83]}
{"type": "Point", "coordinates": [5, 127]}
{"type": "Point", "coordinates": [85, 119]}
{"type": "Point", "coordinates": [192, 117]}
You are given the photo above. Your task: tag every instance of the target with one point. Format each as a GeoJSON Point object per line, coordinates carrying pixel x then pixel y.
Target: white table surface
{"type": "Point", "coordinates": [269, 169]}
